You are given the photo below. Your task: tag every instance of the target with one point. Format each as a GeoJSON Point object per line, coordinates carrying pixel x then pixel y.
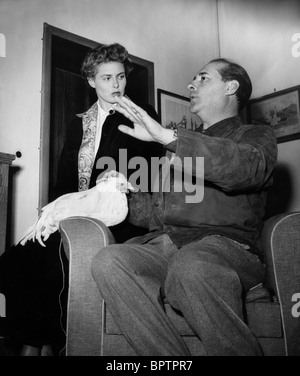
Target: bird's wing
{"type": "Point", "coordinates": [51, 215]}
{"type": "Point", "coordinates": [107, 201]}
{"type": "Point", "coordinates": [111, 209]}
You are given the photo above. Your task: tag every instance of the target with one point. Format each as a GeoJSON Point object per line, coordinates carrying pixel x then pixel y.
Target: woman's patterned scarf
{"type": "Point", "coordinates": [86, 155]}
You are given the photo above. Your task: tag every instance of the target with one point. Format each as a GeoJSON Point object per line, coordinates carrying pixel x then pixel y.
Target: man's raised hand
{"type": "Point", "coordinates": [145, 128]}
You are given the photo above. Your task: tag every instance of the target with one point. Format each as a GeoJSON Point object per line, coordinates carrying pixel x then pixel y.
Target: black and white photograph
{"type": "Point", "coordinates": [280, 110]}
{"type": "Point", "coordinates": [174, 111]}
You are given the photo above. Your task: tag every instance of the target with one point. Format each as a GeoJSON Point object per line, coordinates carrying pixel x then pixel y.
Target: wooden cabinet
{"type": "Point", "coordinates": [5, 162]}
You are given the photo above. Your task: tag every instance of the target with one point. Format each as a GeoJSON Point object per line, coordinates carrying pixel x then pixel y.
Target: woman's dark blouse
{"type": "Point", "coordinates": [112, 140]}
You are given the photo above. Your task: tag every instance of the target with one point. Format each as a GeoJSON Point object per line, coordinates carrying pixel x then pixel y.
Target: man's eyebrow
{"type": "Point", "coordinates": [200, 74]}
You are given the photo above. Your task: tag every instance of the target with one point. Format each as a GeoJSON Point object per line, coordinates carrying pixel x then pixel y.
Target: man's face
{"type": "Point", "coordinates": [110, 81]}
{"type": "Point", "coordinates": [207, 90]}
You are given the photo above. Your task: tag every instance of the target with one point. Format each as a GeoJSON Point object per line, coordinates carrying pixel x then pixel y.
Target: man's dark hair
{"type": "Point", "coordinates": [231, 71]}
{"type": "Point", "coordinates": [105, 53]}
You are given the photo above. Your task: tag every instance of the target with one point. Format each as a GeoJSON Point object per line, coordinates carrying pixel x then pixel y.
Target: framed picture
{"type": "Point", "coordinates": [280, 110]}
{"type": "Point", "coordinates": [174, 111]}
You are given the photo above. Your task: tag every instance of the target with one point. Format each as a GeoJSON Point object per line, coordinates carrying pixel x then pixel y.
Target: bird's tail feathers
{"type": "Point", "coordinates": [38, 230]}
{"type": "Point", "coordinates": [31, 234]}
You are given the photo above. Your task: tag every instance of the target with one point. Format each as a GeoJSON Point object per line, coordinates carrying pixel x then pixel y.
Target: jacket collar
{"type": "Point", "coordinates": [91, 112]}
{"type": "Point", "coordinates": [224, 127]}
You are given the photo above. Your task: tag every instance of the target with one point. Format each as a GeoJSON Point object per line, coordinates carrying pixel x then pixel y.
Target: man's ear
{"type": "Point", "coordinates": [232, 87]}
{"type": "Point", "coordinates": [91, 82]}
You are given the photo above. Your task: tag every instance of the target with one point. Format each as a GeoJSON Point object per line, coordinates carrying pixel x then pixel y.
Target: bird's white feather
{"type": "Point", "coordinates": [107, 202]}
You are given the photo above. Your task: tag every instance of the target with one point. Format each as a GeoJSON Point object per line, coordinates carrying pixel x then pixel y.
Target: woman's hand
{"type": "Point", "coordinates": [145, 128]}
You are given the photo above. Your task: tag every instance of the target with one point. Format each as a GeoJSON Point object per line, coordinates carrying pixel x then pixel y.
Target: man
{"type": "Point", "coordinates": [200, 256]}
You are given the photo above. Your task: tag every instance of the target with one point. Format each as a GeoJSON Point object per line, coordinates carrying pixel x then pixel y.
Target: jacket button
{"type": "Point", "coordinates": [156, 203]}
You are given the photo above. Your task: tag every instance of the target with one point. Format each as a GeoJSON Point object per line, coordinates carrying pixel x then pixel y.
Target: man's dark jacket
{"type": "Point", "coordinates": [238, 165]}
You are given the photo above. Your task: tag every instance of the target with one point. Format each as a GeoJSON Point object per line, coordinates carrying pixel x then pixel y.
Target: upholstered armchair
{"type": "Point", "coordinates": [271, 309]}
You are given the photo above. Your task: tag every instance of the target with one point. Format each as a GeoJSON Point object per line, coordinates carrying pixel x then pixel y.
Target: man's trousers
{"type": "Point", "coordinates": [205, 280]}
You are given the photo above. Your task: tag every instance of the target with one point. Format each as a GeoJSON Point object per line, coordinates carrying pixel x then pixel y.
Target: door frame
{"type": "Point", "coordinates": [49, 32]}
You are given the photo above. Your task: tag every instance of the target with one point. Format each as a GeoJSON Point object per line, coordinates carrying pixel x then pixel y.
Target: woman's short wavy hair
{"type": "Point", "coordinates": [105, 53]}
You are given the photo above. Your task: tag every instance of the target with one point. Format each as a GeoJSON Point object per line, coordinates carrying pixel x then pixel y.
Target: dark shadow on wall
{"type": "Point", "coordinates": [280, 193]}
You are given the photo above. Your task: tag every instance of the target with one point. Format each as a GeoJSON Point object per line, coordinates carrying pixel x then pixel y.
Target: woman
{"type": "Point", "coordinates": [31, 276]}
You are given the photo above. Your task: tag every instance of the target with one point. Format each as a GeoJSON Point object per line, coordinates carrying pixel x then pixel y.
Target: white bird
{"type": "Point", "coordinates": [106, 201]}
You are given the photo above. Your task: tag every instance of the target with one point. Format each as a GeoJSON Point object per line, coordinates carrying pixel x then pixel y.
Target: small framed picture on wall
{"type": "Point", "coordinates": [174, 111]}
{"type": "Point", "coordinates": [280, 110]}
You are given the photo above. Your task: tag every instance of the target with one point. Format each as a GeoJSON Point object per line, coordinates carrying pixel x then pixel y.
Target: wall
{"type": "Point", "coordinates": [179, 36]}
{"type": "Point", "coordinates": [258, 34]}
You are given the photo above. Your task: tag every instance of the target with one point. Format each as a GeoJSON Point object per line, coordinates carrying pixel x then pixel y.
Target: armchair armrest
{"type": "Point", "coordinates": [281, 244]}
{"type": "Point", "coordinates": [82, 238]}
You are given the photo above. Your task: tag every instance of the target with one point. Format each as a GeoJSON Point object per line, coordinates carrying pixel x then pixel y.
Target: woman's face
{"type": "Point", "coordinates": [109, 82]}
